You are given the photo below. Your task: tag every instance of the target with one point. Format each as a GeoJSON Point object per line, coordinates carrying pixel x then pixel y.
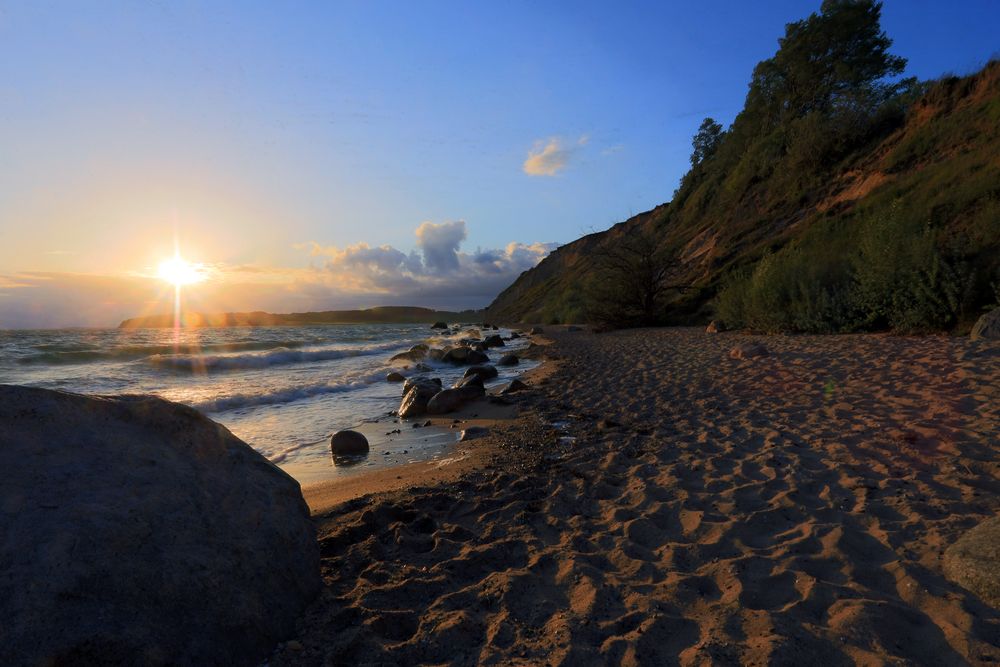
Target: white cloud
{"type": "Point", "coordinates": [549, 157]}
{"type": "Point", "coordinates": [440, 243]}
{"type": "Point", "coordinates": [437, 275]}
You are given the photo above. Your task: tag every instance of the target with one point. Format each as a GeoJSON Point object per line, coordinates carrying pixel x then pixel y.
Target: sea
{"type": "Point", "coordinates": [283, 390]}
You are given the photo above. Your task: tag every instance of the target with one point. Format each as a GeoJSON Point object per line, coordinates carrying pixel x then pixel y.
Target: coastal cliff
{"type": "Point", "coordinates": [791, 220]}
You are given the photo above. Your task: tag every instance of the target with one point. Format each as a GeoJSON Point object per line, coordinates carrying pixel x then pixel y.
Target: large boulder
{"type": "Point", "coordinates": [515, 385]}
{"type": "Point", "coordinates": [138, 531]}
{"type": "Point", "coordinates": [439, 325]}
{"type": "Point", "coordinates": [348, 443]}
{"type": "Point", "coordinates": [472, 386]}
{"type": "Point", "coordinates": [463, 356]}
{"type": "Point", "coordinates": [416, 394]}
{"type": "Point", "coordinates": [508, 360]}
{"type": "Point", "coordinates": [409, 355]}
{"type": "Point", "coordinates": [485, 372]}
{"type": "Point", "coordinates": [974, 561]}
{"type": "Point", "coordinates": [987, 327]}
{"type": "Point", "coordinates": [494, 340]}
{"type": "Point", "coordinates": [447, 400]}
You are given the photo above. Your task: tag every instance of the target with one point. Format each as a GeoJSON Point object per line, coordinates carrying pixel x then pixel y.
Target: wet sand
{"type": "Point", "coordinates": [656, 502]}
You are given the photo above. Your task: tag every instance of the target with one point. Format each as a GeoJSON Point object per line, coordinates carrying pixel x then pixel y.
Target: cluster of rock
{"type": "Point", "coordinates": [428, 396]}
{"type": "Point", "coordinates": [138, 531]}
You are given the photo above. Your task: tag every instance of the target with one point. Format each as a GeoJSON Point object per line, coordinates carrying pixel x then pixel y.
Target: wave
{"type": "Point", "coordinates": [57, 357]}
{"type": "Point", "coordinates": [201, 363]}
{"type": "Point", "coordinates": [287, 394]}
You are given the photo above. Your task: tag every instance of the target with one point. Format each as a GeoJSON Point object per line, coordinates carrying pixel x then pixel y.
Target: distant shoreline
{"type": "Point", "coordinates": [378, 315]}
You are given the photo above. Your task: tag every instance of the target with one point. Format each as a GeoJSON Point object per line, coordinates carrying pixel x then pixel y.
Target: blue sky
{"type": "Point", "coordinates": [261, 132]}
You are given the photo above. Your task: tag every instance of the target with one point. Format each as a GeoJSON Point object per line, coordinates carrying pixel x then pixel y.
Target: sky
{"type": "Point", "coordinates": [317, 155]}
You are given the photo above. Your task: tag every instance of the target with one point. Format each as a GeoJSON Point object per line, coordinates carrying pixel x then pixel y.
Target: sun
{"type": "Point", "coordinates": [178, 271]}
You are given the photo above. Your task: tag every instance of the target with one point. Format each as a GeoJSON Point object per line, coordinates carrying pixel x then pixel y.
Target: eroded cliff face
{"type": "Point", "coordinates": [940, 158]}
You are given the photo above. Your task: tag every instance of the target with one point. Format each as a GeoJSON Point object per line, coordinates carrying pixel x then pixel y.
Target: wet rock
{"type": "Point", "coordinates": [439, 325]}
{"type": "Point", "coordinates": [409, 355]}
{"type": "Point", "coordinates": [348, 443]}
{"type": "Point", "coordinates": [987, 327]}
{"type": "Point", "coordinates": [973, 561]}
{"type": "Point", "coordinates": [748, 351]}
{"type": "Point", "coordinates": [494, 340]}
{"type": "Point", "coordinates": [416, 394]}
{"type": "Point", "coordinates": [485, 372]}
{"type": "Point", "coordinates": [395, 377]}
{"type": "Point", "coordinates": [508, 360]}
{"type": "Point", "coordinates": [463, 356]}
{"type": "Point", "coordinates": [473, 432]}
{"type": "Point", "coordinates": [536, 330]}
{"type": "Point", "coordinates": [447, 400]}
{"type": "Point", "coordinates": [472, 386]}
{"type": "Point", "coordinates": [515, 385]}
{"type": "Point", "coordinates": [138, 531]}
{"type": "Point", "coordinates": [415, 382]}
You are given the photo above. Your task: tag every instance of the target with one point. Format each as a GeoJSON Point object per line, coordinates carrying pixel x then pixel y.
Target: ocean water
{"type": "Point", "coordinates": [283, 390]}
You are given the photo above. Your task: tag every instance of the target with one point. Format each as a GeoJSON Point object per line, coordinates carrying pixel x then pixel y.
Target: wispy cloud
{"type": "Point", "coordinates": [551, 156]}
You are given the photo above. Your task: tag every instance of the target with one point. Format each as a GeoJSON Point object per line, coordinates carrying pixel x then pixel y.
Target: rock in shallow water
{"type": "Point", "coordinates": [138, 531]}
{"type": "Point", "coordinates": [348, 443]}
{"type": "Point", "coordinates": [508, 360]}
{"type": "Point", "coordinates": [485, 372]}
{"type": "Point", "coordinates": [416, 394]}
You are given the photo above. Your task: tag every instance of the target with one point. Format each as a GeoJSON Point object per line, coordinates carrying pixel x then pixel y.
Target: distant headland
{"type": "Point", "coordinates": [383, 314]}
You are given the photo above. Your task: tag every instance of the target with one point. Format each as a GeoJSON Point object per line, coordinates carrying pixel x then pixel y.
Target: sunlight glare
{"type": "Point", "coordinates": [178, 271]}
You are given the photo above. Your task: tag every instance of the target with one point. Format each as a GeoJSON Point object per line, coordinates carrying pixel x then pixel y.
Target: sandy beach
{"type": "Point", "coordinates": [653, 501]}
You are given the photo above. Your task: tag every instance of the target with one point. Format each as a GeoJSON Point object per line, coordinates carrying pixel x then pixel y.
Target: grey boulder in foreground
{"type": "Point", "coordinates": [974, 561]}
{"type": "Point", "coordinates": [987, 327]}
{"type": "Point", "coordinates": [138, 531]}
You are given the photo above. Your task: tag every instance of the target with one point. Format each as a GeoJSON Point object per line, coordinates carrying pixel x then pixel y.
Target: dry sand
{"type": "Point", "coordinates": [790, 509]}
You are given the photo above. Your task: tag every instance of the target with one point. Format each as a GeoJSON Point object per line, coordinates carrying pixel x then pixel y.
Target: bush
{"type": "Point", "coordinates": [895, 275]}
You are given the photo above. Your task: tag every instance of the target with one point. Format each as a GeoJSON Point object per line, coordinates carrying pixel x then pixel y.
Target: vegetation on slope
{"type": "Point", "coordinates": [841, 198]}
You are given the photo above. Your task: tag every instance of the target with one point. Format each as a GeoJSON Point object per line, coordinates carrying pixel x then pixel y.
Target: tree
{"type": "Point", "coordinates": [705, 141]}
{"type": "Point", "coordinates": [629, 280]}
{"type": "Point", "coordinates": [835, 64]}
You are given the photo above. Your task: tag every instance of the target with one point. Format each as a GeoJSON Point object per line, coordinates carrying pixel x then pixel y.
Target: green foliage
{"type": "Point", "coordinates": [896, 275]}
{"type": "Point", "coordinates": [706, 141]}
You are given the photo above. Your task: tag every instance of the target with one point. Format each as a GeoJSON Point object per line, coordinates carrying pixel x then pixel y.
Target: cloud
{"type": "Point", "coordinates": [437, 274]}
{"type": "Point", "coordinates": [549, 157]}
{"type": "Point", "coordinates": [440, 244]}
{"type": "Point", "coordinates": [546, 160]}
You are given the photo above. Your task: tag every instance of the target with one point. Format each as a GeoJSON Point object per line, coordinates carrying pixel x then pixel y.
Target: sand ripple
{"type": "Point", "coordinates": [785, 510]}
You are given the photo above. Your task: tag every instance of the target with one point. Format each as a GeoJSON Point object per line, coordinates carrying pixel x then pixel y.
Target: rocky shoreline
{"type": "Point", "coordinates": [657, 501]}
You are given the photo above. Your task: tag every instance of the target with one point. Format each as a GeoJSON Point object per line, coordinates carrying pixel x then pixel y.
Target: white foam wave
{"type": "Point", "coordinates": [201, 363]}
{"type": "Point", "coordinates": [285, 394]}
